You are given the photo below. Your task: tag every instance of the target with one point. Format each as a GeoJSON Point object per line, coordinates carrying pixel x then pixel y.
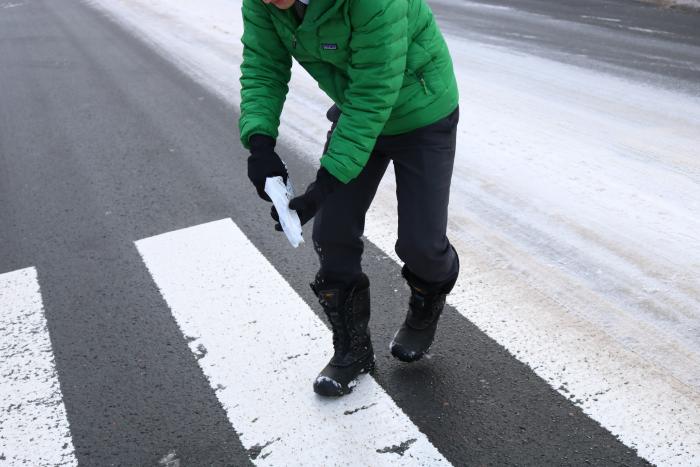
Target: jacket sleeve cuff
{"type": "Point", "coordinates": [259, 142]}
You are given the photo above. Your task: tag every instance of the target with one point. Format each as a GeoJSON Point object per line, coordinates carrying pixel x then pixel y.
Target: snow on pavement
{"type": "Point", "coordinates": [34, 428]}
{"type": "Point", "coordinates": [575, 207]}
{"type": "Point", "coordinates": [684, 3]}
{"type": "Point", "coordinates": [196, 270]}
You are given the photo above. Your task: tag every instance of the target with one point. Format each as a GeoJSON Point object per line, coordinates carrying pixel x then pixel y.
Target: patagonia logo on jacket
{"type": "Point", "coordinates": [329, 46]}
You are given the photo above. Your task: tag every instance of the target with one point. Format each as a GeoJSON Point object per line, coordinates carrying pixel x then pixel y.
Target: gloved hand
{"type": "Point", "coordinates": [264, 162]}
{"type": "Point", "coordinates": [308, 204]}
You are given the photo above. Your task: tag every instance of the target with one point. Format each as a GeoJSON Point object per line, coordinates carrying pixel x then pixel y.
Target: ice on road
{"type": "Point", "coordinates": [578, 187]}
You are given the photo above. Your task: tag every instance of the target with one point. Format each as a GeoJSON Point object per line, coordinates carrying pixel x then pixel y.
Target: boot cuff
{"type": "Point", "coordinates": [322, 288]}
{"type": "Point", "coordinates": [428, 288]}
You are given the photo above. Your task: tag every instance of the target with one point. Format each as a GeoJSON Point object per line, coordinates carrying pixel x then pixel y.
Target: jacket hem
{"type": "Point", "coordinates": [437, 110]}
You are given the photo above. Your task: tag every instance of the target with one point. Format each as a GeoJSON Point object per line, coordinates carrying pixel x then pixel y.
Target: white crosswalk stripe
{"type": "Point", "coordinates": [33, 425]}
{"type": "Point", "coordinates": [643, 407]}
{"type": "Point", "coordinates": [261, 346]}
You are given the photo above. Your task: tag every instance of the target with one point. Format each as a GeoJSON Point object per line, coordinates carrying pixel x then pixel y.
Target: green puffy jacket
{"type": "Point", "coordinates": [383, 62]}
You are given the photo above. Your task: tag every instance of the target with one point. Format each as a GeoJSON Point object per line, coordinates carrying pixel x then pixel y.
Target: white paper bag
{"type": "Point", "coordinates": [289, 219]}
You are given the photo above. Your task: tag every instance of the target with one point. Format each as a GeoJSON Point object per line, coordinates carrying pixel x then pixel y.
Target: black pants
{"type": "Point", "coordinates": [423, 161]}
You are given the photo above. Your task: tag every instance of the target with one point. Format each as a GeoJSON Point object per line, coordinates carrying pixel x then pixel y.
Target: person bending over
{"type": "Point", "coordinates": [387, 68]}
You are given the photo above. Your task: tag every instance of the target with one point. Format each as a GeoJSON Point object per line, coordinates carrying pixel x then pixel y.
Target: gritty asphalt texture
{"type": "Point", "coordinates": [102, 143]}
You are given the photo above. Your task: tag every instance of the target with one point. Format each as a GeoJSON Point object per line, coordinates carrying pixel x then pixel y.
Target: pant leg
{"type": "Point", "coordinates": [339, 225]}
{"type": "Point", "coordinates": [423, 163]}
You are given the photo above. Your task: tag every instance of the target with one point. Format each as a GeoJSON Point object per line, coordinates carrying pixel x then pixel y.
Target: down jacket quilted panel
{"type": "Point", "coordinates": [383, 62]}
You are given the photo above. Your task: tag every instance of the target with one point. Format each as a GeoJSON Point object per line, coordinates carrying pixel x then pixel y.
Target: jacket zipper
{"type": "Point", "coordinates": [425, 86]}
{"type": "Point", "coordinates": [294, 41]}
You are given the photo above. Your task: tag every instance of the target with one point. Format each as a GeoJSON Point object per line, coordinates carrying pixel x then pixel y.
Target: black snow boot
{"type": "Point", "coordinates": [416, 334]}
{"type": "Point", "coordinates": [348, 313]}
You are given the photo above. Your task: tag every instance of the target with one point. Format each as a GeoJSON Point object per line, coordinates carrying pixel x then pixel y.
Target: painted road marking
{"type": "Point", "coordinates": [645, 408]}
{"type": "Point", "coordinates": [625, 377]}
{"type": "Point", "coordinates": [261, 346]}
{"type": "Point", "coordinates": [33, 424]}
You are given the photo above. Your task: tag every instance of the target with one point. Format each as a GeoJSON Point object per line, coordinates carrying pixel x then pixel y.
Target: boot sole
{"type": "Point", "coordinates": [335, 389]}
{"type": "Point", "coordinates": [406, 356]}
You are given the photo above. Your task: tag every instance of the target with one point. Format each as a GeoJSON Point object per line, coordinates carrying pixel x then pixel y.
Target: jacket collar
{"type": "Point", "coordinates": [316, 14]}
{"type": "Point", "coordinates": [319, 11]}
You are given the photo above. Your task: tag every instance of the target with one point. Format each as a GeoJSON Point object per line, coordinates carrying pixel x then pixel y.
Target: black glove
{"type": "Point", "coordinates": [264, 162]}
{"type": "Point", "coordinates": [308, 204]}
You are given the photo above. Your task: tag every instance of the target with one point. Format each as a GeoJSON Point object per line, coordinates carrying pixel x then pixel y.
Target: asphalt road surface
{"type": "Point", "coordinates": [632, 39]}
{"type": "Point", "coordinates": [104, 143]}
